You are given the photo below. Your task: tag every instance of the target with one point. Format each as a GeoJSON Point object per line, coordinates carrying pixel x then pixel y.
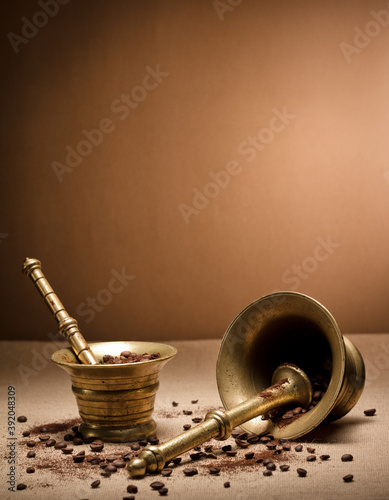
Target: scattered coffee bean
{"type": "Point", "coordinates": [187, 412]}
{"type": "Point", "coordinates": [44, 430]}
{"type": "Point", "coordinates": [21, 486]}
{"type": "Point", "coordinates": [30, 454]}
{"type": "Point", "coordinates": [252, 438]}
{"type": "Point", "coordinates": [119, 464]}
{"type": "Point", "coordinates": [271, 466]}
{"type": "Point", "coordinates": [370, 413]}
{"type": "Point", "coordinates": [348, 478]}
{"type": "Point", "coordinates": [264, 439]}
{"type": "Point", "coordinates": [25, 433]}
{"type": "Point", "coordinates": [197, 420]}
{"type": "Point", "coordinates": [311, 458]}
{"type": "Point", "coordinates": [77, 441]}
{"type": "Point", "coordinates": [131, 488]}
{"type": "Point", "coordinates": [163, 491]}
{"type": "Point", "coordinates": [347, 458]}
{"type": "Point", "coordinates": [231, 453]}
{"type": "Point", "coordinates": [50, 442]}
{"type": "Point", "coordinates": [68, 437]}
{"type": "Point", "coordinates": [143, 442]}
{"type": "Point", "coordinates": [31, 443]}
{"type": "Point", "coordinates": [301, 472]}
{"type": "Point", "coordinates": [190, 471]}
{"type": "Point", "coordinates": [22, 418]}
{"type": "Point", "coordinates": [299, 447]}
{"type": "Point", "coordinates": [153, 440]}
{"type": "Point", "coordinates": [271, 445]}
{"type": "Point", "coordinates": [324, 457]}
{"type": "Point", "coordinates": [286, 446]}
{"type": "Point", "coordinates": [96, 446]}
{"type": "Point", "coordinates": [194, 401]}
{"type": "Point", "coordinates": [311, 450]}
{"type": "Point", "coordinates": [227, 447]}
{"type": "Point", "coordinates": [96, 483]}
{"type": "Point", "coordinates": [174, 403]}
{"type": "Point", "coordinates": [75, 428]}
{"type": "Point", "coordinates": [212, 456]}
{"type": "Point", "coordinates": [67, 451]}
{"type": "Point", "coordinates": [105, 474]}
{"type": "Point", "coordinates": [157, 485]}
{"type": "Point", "coordinates": [60, 445]}
{"type": "Point", "coordinates": [177, 460]}
{"type": "Point", "coordinates": [127, 357]}
{"type": "Point", "coordinates": [30, 470]}
{"type": "Point", "coordinates": [186, 427]}
{"type": "Point", "coordinates": [196, 456]}
{"type": "Point", "coordinates": [78, 458]}
{"type": "Point", "coordinates": [166, 472]}
{"type": "Point", "coordinates": [135, 446]}
{"type": "Point", "coordinates": [249, 455]}
{"type": "Point", "coordinates": [214, 471]}
{"type": "Point", "coordinates": [227, 484]}
{"type": "Point", "coordinates": [267, 472]}
{"type": "Point", "coordinates": [267, 461]}
{"type": "Point", "coordinates": [131, 497]}
{"type": "Point", "coordinates": [111, 468]}
{"type": "Point", "coordinates": [44, 437]}
{"type": "Point", "coordinates": [284, 468]}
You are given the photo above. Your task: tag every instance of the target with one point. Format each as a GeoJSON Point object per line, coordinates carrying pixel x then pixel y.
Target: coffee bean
{"type": "Point", "coordinates": [166, 472]}
{"type": "Point", "coordinates": [187, 412]}
{"type": "Point", "coordinates": [271, 445]}
{"type": "Point", "coordinates": [163, 491]}
{"type": "Point", "coordinates": [22, 418]}
{"type": "Point", "coordinates": [190, 471]}
{"type": "Point", "coordinates": [186, 427]}
{"type": "Point", "coordinates": [301, 472]}
{"type": "Point", "coordinates": [299, 447]}
{"type": "Point", "coordinates": [153, 440]}
{"type": "Point", "coordinates": [271, 466]}
{"type": "Point", "coordinates": [264, 439]}
{"type": "Point", "coordinates": [196, 456]}
{"type": "Point", "coordinates": [249, 455]}
{"type": "Point", "coordinates": [31, 443]}
{"type": "Point", "coordinates": [177, 460]}
{"type": "Point", "coordinates": [286, 446]}
{"type": "Point", "coordinates": [60, 445]}
{"type": "Point", "coordinates": [311, 450]}
{"type": "Point", "coordinates": [67, 451]}
{"type": "Point", "coordinates": [96, 446]}
{"type": "Point", "coordinates": [212, 456]}
{"type": "Point", "coordinates": [235, 433]}
{"type": "Point", "coordinates": [227, 484]}
{"type": "Point", "coordinates": [348, 478]}
{"type": "Point", "coordinates": [77, 441]}
{"type": "Point", "coordinates": [316, 396]}
{"type": "Point", "coordinates": [227, 447]}
{"type": "Point", "coordinates": [50, 442]}
{"type": "Point", "coordinates": [287, 415]}
{"type": "Point", "coordinates": [44, 430]}
{"type": "Point", "coordinates": [297, 410]}
{"type": "Point", "coordinates": [44, 437]}
{"type": "Point", "coordinates": [119, 464]}
{"type": "Point", "coordinates": [214, 471]}
{"type": "Point", "coordinates": [131, 497]}
{"type": "Point", "coordinates": [267, 473]}
{"type": "Point", "coordinates": [284, 468]}
{"type": "Point", "coordinates": [311, 458]}
{"type": "Point", "coordinates": [370, 413]}
{"type": "Point", "coordinates": [143, 442]}
{"type": "Point", "coordinates": [194, 401]}
{"type": "Point", "coordinates": [267, 461]}
{"type": "Point", "coordinates": [252, 438]}
{"type": "Point", "coordinates": [96, 483]}
{"type": "Point", "coordinates": [68, 437]}
{"type": "Point", "coordinates": [324, 457]}
{"type": "Point", "coordinates": [174, 403]}
{"type": "Point", "coordinates": [21, 486]}
{"type": "Point", "coordinates": [197, 420]}
{"type": "Point", "coordinates": [25, 433]}
{"type": "Point", "coordinates": [111, 468]}
{"type": "Point", "coordinates": [347, 458]}
{"type": "Point", "coordinates": [31, 454]}
{"type": "Point", "coordinates": [231, 453]}
{"type": "Point", "coordinates": [105, 474]}
{"type": "Point", "coordinates": [135, 447]}
{"type": "Point", "coordinates": [131, 488]}
{"type": "Point", "coordinates": [78, 458]}
{"type": "Point", "coordinates": [30, 470]}
{"type": "Point", "coordinates": [157, 485]}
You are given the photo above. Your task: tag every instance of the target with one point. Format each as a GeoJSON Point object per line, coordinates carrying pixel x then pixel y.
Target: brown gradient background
{"type": "Point", "coordinates": [323, 176]}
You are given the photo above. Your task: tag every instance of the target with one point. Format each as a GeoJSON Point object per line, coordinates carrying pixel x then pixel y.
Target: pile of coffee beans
{"type": "Point", "coordinates": [127, 357]}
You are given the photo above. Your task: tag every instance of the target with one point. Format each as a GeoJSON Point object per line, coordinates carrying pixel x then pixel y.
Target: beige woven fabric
{"type": "Point", "coordinates": [45, 397]}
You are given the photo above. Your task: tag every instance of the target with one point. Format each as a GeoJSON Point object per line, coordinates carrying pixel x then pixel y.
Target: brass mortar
{"type": "Point", "coordinates": [116, 402]}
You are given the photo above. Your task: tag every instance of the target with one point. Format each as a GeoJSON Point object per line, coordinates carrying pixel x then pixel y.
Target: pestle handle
{"type": "Point", "coordinates": [291, 385]}
{"type": "Point", "coordinates": [67, 326]}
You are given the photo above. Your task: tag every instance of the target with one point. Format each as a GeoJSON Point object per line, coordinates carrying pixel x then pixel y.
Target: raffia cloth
{"type": "Point", "coordinates": [45, 397]}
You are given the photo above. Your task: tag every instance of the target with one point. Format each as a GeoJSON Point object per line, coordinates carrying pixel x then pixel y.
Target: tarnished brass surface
{"type": "Point", "coordinates": [116, 402]}
{"type": "Point", "coordinates": [291, 385]}
{"type": "Point", "coordinates": [294, 328]}
{"type": "Point", "coordinates": [67, 326]}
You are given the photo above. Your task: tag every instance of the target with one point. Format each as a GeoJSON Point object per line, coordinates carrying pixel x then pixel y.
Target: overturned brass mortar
{"type": "Point", "coordinates": [116, 402]}
{"type": "Point", "coordinates": [281, 338]}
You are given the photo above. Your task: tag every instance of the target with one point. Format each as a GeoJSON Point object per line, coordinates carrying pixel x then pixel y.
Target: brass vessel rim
{"type": "Point", "coordinates": [135, 345]}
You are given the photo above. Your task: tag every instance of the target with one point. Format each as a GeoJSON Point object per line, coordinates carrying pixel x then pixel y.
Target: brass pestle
{"type": "Point", "coordinates": [67, 326]}
{"type": "Point", "coordinates": [290, 385]}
